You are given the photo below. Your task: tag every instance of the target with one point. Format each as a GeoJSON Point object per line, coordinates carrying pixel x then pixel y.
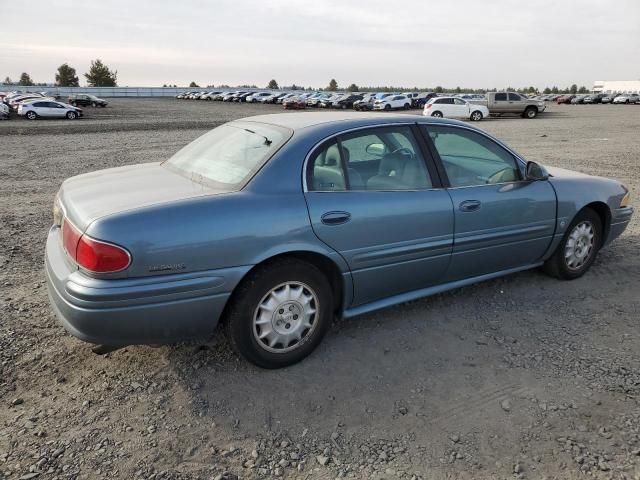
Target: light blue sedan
{"type": "Point", "coordinates": [276, 224]}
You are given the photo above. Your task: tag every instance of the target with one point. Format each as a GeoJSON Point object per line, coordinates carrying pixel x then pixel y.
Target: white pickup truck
{"type": "Point", "coordinates": [501, 103]}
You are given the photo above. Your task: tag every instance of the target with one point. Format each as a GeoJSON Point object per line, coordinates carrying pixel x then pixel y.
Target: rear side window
{"type": "Point", "coordinates": [501, 97]}
{"type": "Point", "coordinates": [377, 159]}
{"type": "Point", "coordinates": [470, 158]}
{"type": "Point", "coordinates": [327, 172]}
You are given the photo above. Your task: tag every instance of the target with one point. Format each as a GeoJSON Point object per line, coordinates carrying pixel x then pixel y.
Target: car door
{"type": "Point", "coordinates": [500, 102]}
{"type": "Point", "coordinates": [374, 197]}
{"type": "Point", "coordinates": [516, 103]}
{"type": "Point", "coordinates": [56, 110]}
{"type": "Point", "coordinates": [460, 108]}
{"type": "Point", "coordinates": [42, 109]}
{"type": "Point", "coordinates": [501, 221]}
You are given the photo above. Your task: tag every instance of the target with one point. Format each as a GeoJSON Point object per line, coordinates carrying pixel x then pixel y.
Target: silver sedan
{"type": "Point", "coordinates": [48, 109]}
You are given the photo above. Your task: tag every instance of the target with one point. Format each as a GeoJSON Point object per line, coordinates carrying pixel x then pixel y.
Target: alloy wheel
{"type": "Point", "coordinates": [285, 317]}
{"type": "Point", "coordinates": [579, 246]}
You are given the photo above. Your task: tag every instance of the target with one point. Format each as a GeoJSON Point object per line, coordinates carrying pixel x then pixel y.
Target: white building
{"type": "Point", "coordinates": [616, 86]}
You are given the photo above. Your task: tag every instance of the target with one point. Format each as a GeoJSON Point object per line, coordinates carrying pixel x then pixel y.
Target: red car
{"type": "Point", "coordinates": [294, 103]}
{"type": "Point", "coordinates": [565, 99]}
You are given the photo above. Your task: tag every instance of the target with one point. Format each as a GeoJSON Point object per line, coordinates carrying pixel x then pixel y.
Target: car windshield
{"type": "Point", "coordinates": [228, 156]}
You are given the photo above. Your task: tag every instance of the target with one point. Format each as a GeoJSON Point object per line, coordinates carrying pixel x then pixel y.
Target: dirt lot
{"type": "Point", "coordinates": [524, 376]}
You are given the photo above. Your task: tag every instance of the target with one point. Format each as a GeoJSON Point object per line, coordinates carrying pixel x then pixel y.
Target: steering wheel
{"type": "Point", "coordinates": [404, 151]}
{"type": "Point", "coordinates": [495, 178]}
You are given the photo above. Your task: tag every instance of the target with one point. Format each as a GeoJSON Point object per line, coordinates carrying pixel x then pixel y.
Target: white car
{"type": "Point", "coordinates": [627, 98]}
{"type": "Point", "coordinates": [392, 102]}
{"type": "Point", "coordinates": [453, 107]}
{"type": "Point", "coordinates": [256, 97]}
{"type": "Point", "coordinates": [49, 109]}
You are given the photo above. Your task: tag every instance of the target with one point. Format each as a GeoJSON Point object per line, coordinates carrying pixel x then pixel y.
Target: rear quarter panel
{"type": "Point", "coordinates": [209, 233]}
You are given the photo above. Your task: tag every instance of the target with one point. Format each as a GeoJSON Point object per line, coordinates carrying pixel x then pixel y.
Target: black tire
{"type": "Point", "coordinates": [94, 104]}
{"type": "Point", "coordinates": [557, 265]}
{"type": "Point", "coordinates": [530, 112]}
{"type": "Point", "coordinates": [407, 106]}
{"type": "Point", "coordinates": [387, 107]}
{"type": "Point", "coordinates": [239, 316]}
{"type": "Point", "coordinates": [72, 115]}
{"type": "Point", "coordinates": [437, 114]}
{"type": "Point", "coordinates": [476, 116]}
{"type": "Point", "coordinates": [31, 115]}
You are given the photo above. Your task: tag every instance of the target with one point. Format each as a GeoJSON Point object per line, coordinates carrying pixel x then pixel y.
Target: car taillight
{"type": "Point", "coordinates": [70, 238]}
{"type": "Point", "coordinates": [93, 255]}
{"type": "Point", "coordinates": [428, 105]}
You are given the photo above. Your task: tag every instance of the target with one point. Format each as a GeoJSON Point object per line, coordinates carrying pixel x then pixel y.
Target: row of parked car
{"type": "Point", "coordinates": [34, 105]}
{"type": "Point", "coordinates": [312, 99]}
{"type": "Point", "coordinates": [470, 106]}
{"type": "Point", "coordinates": [617, 98]}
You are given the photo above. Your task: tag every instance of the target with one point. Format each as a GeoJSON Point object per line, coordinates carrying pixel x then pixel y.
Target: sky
{"type": "Point", "coordinates": [423, 43]}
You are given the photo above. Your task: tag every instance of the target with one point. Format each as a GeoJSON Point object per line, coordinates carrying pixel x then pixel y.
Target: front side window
{"type": "Point", "coordinates": [229, 155]}
{"type": "Point", "coordinates": [514, 97]}
{"type": "Point", "coordinates": [470, 158]}
{"type": "Point", "coordinates": [377, 159]}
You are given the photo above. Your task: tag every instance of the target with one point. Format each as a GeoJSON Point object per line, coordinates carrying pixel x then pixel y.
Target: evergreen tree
{"type": "Point", "coordinates": [66, 76]}
{"type": "Point", "coordinates": [100, 76]}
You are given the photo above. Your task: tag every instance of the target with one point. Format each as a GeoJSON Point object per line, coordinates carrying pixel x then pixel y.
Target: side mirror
{"type": "Point", "coordinates": [376, 149]}
{"type": "Point", "coordinates": [534, 172]}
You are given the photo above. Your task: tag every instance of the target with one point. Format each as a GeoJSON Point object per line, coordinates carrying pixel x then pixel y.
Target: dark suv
{"type": "Point", "coordinates": [85, 100]}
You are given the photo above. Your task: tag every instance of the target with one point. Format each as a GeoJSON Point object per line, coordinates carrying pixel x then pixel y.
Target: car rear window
{"type": "Point", "coordinates": [228, 156]}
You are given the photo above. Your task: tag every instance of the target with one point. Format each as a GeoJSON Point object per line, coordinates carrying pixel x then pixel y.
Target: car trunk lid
{"type": "Point", "coordinates": [87, 197]}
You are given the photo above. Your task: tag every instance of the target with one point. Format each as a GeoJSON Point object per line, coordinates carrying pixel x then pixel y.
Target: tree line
{"type": "Point", "coordinates": [99, 75]}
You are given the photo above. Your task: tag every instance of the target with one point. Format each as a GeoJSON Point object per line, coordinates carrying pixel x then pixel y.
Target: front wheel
{"type": "Point", "coordinates": [71, 115]}
{"type": "Point", "coordinates": [94, 104]}
{"type": "Point", "coordinates": [578, 248]}
{"type": "Point", "coordinates": [531, 112]}
{"type": "Point", "coordinates": [280, 313]}
{"type": "Point", "coordinates": [31, 115]}
{"type": "Point", "coordinates": [387, 107]}
{"type": "Point", "coordinates": [407, 106]}
{"type": "Point", "coordinates": [476, 116]}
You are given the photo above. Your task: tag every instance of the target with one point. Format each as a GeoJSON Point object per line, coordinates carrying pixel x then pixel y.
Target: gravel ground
{"type": "Point", "coordinates": [524, 376]}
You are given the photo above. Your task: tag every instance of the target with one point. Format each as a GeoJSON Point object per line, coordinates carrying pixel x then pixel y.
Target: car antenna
{"type": "Point", "coordinates": [266, 140]}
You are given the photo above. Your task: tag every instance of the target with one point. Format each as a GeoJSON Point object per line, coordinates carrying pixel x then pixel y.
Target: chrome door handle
{"type": "Point", "coordinates": [470, 206]}
{"type": "Point", "coordinates": [335, 218]}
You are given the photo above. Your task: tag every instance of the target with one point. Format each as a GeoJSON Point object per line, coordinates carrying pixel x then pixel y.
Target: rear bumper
{"type": "Point", "coordinates": [152, 310]}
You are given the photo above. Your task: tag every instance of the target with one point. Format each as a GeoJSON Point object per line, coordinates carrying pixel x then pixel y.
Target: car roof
{"type": "Point", "coordinates": [299, 120]}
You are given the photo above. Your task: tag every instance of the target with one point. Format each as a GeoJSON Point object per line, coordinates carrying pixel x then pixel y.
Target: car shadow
{"type": "Point", "coordinates": [430, 367]}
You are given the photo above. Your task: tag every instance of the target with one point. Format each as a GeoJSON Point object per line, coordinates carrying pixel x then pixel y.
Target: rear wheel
{"type": "Point", "coordinates": [280, 314]}
{"type": "Point", "coordinates": [31, 115]}
{"type": "Point", "coordinates": [476, 116]}
{"type": "Point", "coordinates": [531, 112]}
{"type": "Point", "coordinates": [71, 115]}
{"type": "Point", "coordinates": [437, 114]}
{"type": "Point", "coordinates": [578, 248]}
